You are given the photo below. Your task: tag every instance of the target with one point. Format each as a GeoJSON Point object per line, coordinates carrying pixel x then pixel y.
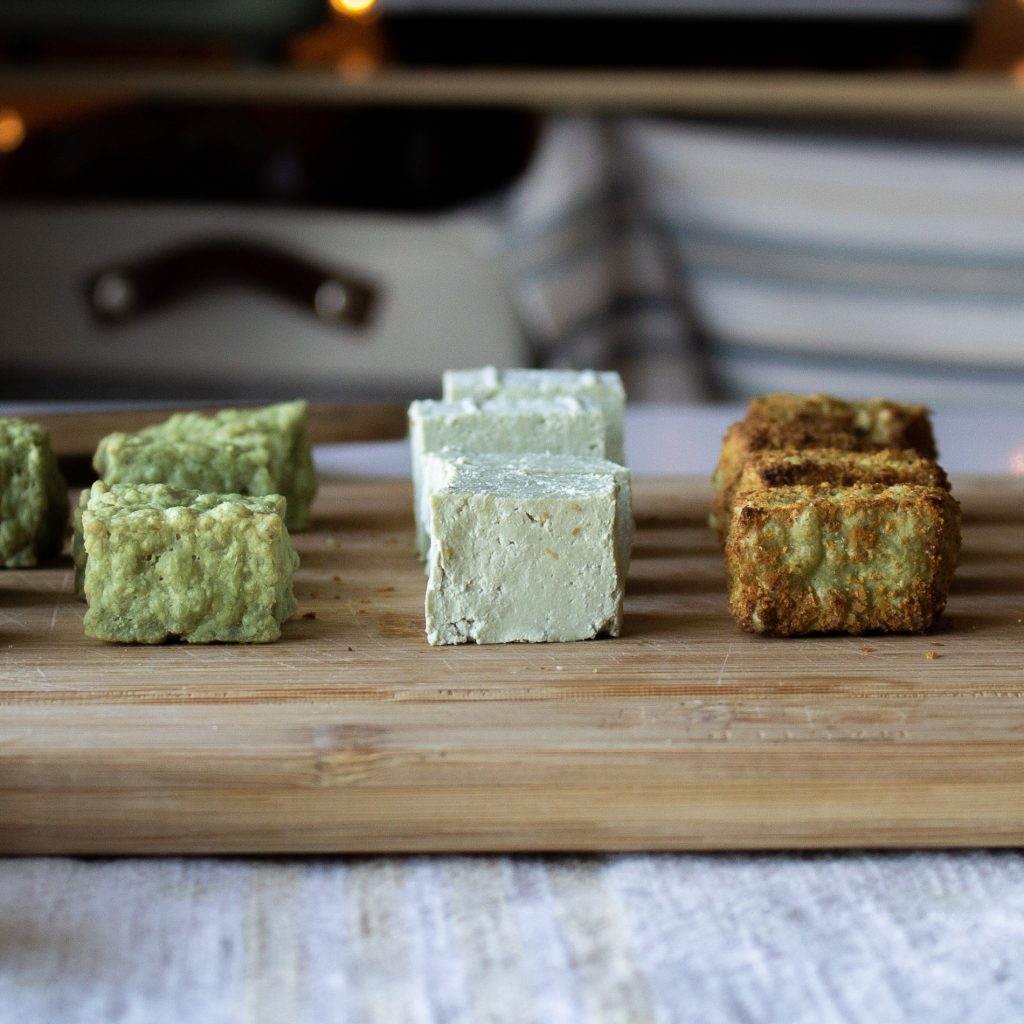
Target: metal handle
{"type": "Point", "coordinates": [125, 291]}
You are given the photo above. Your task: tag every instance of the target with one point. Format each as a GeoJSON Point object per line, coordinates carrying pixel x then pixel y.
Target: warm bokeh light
{"type": "Point", "coordinates": [12, 129]}
{"type": "Point", "coordinates": [1017, 462]}
{"type": "Point", "coordinates": [353, 6]}
{"type": "Point", "coordinates": [357, 62]}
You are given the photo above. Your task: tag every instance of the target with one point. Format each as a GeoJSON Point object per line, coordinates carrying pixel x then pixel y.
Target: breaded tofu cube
{"type": "Point", "coordinates": [801, 422]}
{"type": "Point", "coordinates": [789, 468]}
{"type": "Point", "coordinates": [822, 559]}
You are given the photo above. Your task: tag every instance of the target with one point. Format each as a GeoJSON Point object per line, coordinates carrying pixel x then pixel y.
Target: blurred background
{"type": "Point", "coordinates": [253, 199]}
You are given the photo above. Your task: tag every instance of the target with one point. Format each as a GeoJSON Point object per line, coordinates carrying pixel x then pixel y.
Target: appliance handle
{"type": "Point", "coordinates": [127, 290]}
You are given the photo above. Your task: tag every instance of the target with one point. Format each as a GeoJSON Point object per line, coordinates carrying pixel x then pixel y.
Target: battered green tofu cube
{"type": "Point", "coordinates": [160, 563]}
{"type": "Point", "coordinates": [234, 451]}
{"type": "Point", "coordinates": [520, 557]}
{"type": "Point", "coordinates": [560, 426]}
{"type": "Point", "coordinates": [604, 388]}
{"type": "Point", "coordinates": [33, 495]}
{"type": "Point", "coordinates": [815, 559]}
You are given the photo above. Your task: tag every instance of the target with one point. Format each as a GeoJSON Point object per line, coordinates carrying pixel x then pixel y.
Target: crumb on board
{"type": "Point", "coordinates": [309, 615]}
{"type": "Point", "coordinates": [932, 655]}
{"type": "Point", "coordinates": [866, 649]}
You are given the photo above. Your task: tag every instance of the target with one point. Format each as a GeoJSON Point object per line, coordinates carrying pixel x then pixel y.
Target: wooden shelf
{"type": "Point", "coordinates": [974, 99]}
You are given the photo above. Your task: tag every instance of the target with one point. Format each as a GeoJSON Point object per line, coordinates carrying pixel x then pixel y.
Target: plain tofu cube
{"type": "Point", "coordinates": [157, 563]}
{"type": "Point", "coordinates": [258, 451]}
{"type": "Point", "coordinates": [33, 495]}
{"type": "Point", "coordinates": [820, 559]}
{"type": "Point", "coordinates": [439, 468]}
{"type": "Point", "coordinates": [560, 426]}
{"type": "Point", "coordinates": [516, 557]}
{"type": "Point", "coordinates": [604, 388]}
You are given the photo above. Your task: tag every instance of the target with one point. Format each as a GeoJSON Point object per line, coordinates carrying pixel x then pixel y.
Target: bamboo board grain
{"type": "Point", "coordinates": [353, 735]}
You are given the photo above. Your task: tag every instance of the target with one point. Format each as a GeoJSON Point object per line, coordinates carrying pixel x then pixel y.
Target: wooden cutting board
{"type": "Point", "coordinates": [351, 734]}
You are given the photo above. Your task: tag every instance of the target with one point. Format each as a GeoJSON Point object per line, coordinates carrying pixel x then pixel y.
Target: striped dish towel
{"type": "Point", "coordinates": [710, 261]}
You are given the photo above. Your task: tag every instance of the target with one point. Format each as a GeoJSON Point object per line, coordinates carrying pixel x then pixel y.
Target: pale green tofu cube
{"type": "Point", "coordinates": [439, 468]}
{"type": "Point", "coordinates": [602, 387]}
{"type": "Point", "coordinates": [559, 426]}
{"type": "Point", "coordinates": [516, 557]}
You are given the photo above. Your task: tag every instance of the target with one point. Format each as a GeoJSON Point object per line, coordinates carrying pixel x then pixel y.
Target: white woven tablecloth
{"type": "Point", "coordinates": [931, 937]}
{"type": "Point", "coordinates": [789, 938]}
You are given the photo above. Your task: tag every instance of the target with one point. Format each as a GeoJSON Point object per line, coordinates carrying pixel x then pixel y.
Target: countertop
{"type": "Point", "coordinates": [856, 936]}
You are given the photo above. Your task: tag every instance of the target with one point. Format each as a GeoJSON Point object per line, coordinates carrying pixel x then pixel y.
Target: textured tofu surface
{"type": "Point", "coordinates": [601, 387]}
{"type": "Point", "coordinates": [839, 468]}
{"type": "Point", "coordinates": [33, 495]}
{"type": "Point", "coordinates": [440, 467]}
{"type": "Point", "coordinates": [802, 422]}
{"type": "Point", "coordinates": [849, 559]}
{"type": "Point", "coordinates": [157, 563]}
{"type": "Point", "coordinates": [523, 558]}
{"type": "Point", "coordinates": [256, 452]}
{"type": "Point", "coordinates": [561, 426]}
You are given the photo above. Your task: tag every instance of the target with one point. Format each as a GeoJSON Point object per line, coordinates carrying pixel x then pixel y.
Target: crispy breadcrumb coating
{"type": "Point", "coordinates": [801, 422]}
{"type": "Point", "coordinates": [818, 558]}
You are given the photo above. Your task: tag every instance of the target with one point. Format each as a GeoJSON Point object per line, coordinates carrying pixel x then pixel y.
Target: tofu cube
{"type": "Point", "coordinates": [604, 388]}
{"type": "Point", "coordinates": [33, 495]}
{"type": "Point", "coordinates": [157, 563]}
{"type": "Point", "coordinates": [520, 557]}
{"type": "Point", "coordinates": [256, 452]}
{"type": "Point", "coordinates": [791, 468]}
{"type": "Point", "coordinates": [801, 422]}
{"type": "Point", "coordinates": [439, 468]}
{"type": "Point", "coordinates": [819, 559]}
{"type": "Point", "coordinates": [560, 426]}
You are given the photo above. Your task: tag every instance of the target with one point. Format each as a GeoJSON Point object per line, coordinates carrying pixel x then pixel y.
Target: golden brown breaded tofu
{"type": "Point", "coordinates": [801, 422]}
{"type": "Point", "coordinates": [789, 468]}
{"type": "Point", "coordinates": [822, 559]}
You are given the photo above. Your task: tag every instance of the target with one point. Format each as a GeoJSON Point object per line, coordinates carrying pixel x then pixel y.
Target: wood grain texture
{"type": "Point", "coordinates": [352, 734]}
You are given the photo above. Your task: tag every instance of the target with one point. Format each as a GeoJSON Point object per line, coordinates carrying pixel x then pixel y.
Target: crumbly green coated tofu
{"type": "Point", "coordinates": [815, 559]}
{"type": "Point", "coordinates": [159, 563]}
{"type": "Point", "coordinates": [602, 387]}
{"type": "Point", "coordinates": [234, 451]}
{"type": "Point", "coordinates": [560, 426]}
{"type": "Point", "coordinates": [33, 495]}
{"type": "Point", "coordinates": [519, 557]}
{"type": "Point", "coordinates": [439, 468]}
